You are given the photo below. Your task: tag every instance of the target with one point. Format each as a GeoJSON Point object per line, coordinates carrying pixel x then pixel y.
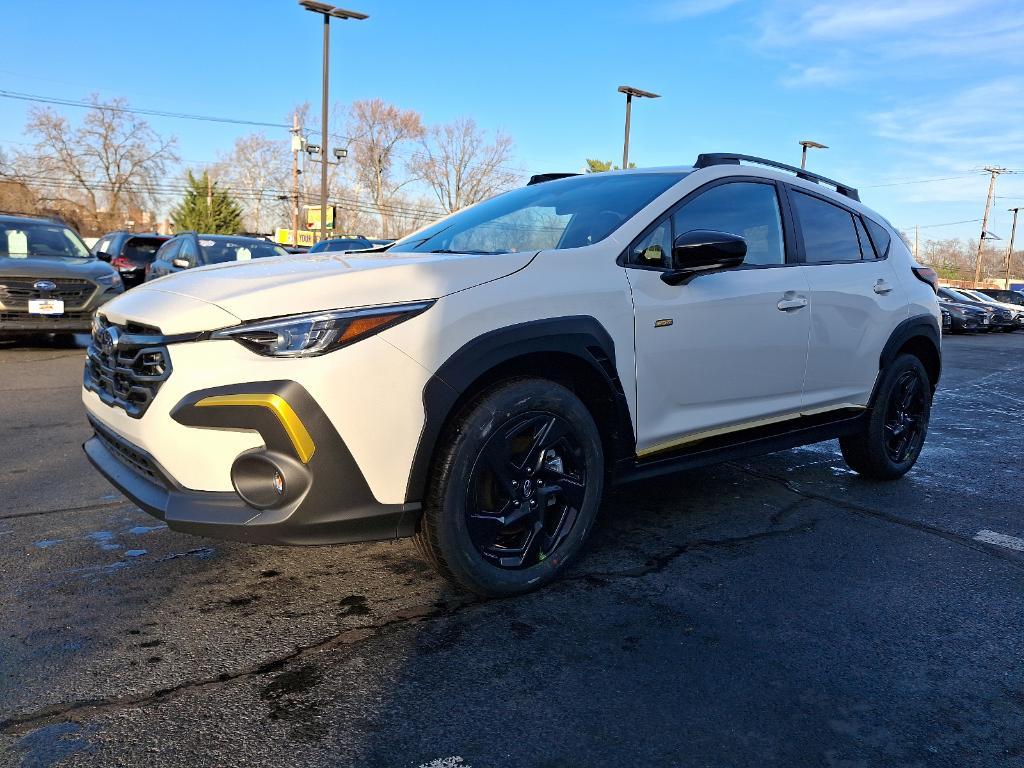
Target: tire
{"type": "Point", "coordinates": [520, 469]}
{"type": "Point", "coordinates": [895, 426]}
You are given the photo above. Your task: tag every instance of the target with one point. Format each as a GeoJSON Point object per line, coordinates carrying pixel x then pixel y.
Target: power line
{"type": "Point", "coordinates": [918, 181]}
{"type": "Point", "coordinates": [944, 224]}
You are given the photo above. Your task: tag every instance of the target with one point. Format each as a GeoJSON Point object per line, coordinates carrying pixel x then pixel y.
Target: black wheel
{"type": "Point", "coordinates": [515, 490]}
{"type": "Point", "coordinates": [896, 424]}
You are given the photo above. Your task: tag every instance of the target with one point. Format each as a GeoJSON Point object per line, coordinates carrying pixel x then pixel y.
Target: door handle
{"type": "Point", "coordinates": [790, 301]}
{"type": "Point", "coordinates": [882, 287]}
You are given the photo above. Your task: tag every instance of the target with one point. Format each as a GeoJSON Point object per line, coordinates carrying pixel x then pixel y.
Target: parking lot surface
{"type": "Point", "coordinates": [779, 611]}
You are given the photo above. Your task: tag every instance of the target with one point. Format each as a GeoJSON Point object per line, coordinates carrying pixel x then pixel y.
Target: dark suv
{"type": "Point", "coordinates": [129, 253]}
{"type": "Point", "coordinates": [1007, 297]}
{"type": "Point", "coordinates": [189, 250]}
{"type": "Point", "coordinates": [49, 282]}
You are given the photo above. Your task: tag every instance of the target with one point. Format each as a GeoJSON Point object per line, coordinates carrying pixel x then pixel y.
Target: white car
{"type": "Point", "coordinates": [479, 383]}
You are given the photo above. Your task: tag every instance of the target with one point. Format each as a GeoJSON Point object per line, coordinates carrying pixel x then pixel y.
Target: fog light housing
{"type": "Point", "coordinates": [268, 479]}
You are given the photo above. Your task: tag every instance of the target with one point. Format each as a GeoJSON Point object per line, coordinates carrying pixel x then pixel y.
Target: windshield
{"type": "Point", "coordinates": [219, 251]}
{"type": "Point", "coordinates": [349, 244]}
{"type": "Point", "coordinates": [141, 250]}
{"type": "Point", "coordinates": [21, 239]}
{"type": "Point", "coordinates": [567, 213]}
{"type": "Point", "coordinates": [957, 296]}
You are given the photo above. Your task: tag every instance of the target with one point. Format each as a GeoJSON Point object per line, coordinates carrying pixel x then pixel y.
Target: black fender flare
{"type": "Point", "coordinates": [919, 326]}
{"type": "Point", "coordinates": [581, 336]}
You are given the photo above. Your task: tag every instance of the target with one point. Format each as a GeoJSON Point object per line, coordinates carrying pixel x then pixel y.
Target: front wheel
{"type": "Point", "coordinates": [515, 489]}
{"type": "Point", "coordinates": [895, 426]}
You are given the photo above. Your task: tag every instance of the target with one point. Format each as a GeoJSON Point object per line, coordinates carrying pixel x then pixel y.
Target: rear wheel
{"type": "Point", "coordinates": [515, 491]}
{"type": "Point", "coordinates": [896, 424]}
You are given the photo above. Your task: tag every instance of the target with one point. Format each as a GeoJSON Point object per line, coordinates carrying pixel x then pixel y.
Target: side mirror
{"type": "Point", "coordinates": [700, 251]}
{"type": "Point", "coordinates": [180, 263]}
{"type": "Point", "coordinates": [104, 256]}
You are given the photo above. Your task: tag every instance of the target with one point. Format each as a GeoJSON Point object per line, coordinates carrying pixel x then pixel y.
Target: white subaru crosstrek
{"type": "Point", "coordinates": [477, 384]}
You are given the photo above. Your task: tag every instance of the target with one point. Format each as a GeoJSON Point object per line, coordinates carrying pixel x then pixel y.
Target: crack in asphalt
{"type": "Point", "coordinates": [85, 508]}
{"type": "Point", "coordinates": [84, 709]}
{"type": "Point", "coordinates": [888, 517]}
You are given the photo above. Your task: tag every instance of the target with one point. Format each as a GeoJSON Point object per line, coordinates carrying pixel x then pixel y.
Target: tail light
{"type": "Point", "coordinates": [927, 275]}
{"type": "Point", "coordinates": [121, 263]}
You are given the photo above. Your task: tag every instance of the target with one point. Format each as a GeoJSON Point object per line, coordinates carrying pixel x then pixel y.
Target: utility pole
{"type": "Point", "coordinates": [917, 240]}
{"type": "Point", "coordinates": [209, 192]}
{"type": "Point", "coordinates": [296, 146]}
{"type": "Point", "coordinates": [1009, 251]}
{"type": "Point", "coordinates": [995, 171]}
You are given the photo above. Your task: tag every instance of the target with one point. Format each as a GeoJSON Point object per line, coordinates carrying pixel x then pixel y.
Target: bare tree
{"type": "Point", "coordinates": [257, 171]}
{"type": "Point", "coordinates": [112, 161]}
{"type": "Point", "coordinates": [461, 167]}
{"type": "Point", "coordinates": [378, 131]}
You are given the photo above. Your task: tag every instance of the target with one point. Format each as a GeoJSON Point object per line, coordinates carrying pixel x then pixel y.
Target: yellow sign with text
{"type": "Point", "coordinates": [313, 217]}
{"type": "Point", "coordinates": [306, 237]}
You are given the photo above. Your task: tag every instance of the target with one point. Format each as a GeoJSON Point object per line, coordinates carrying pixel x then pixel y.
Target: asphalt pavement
{"type": "Point", "coordinates": [774, 612]}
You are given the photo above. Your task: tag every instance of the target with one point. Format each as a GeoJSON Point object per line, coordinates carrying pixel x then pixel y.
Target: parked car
{"type": "Point", "coordinates": [1007, 297]}
{"type": "Point", "coordinates": [189, 250]}
{"type": "Point", "coordinates": [1016, 313]}
{"type": "Point", "coordinates": [478, 384]}
{"type": "Point", "coordinates": [381, 243]}
{"type": "Point", "coordinates": [129, 253]}
{"type": "Point", "coordinates": [342, 244]}
{"type": "Point", "coordinates": [999, 319]}
{"type": "Point", "coordinates": [49, 282]}
{"type": "Point", "coordinates": [964, 318]}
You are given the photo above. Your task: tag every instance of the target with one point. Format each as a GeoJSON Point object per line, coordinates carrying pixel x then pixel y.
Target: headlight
{"type": "Point", "coordinates": [318, 333]}
{"type": "Point", "coordinates": [109, 280]}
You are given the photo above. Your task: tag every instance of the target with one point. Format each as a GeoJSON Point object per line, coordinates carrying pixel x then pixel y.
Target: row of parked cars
{"type": "Point", "coordinates": [981, 311]}
{"type": "Point", "coordinates": [140, 257]}
{"type": "Point", "coordinates": [52, 282]}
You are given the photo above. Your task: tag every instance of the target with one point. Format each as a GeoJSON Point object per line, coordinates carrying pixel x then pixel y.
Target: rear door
{"type": "Point", "coordinates": [728, 349]}
{"type": "Point", "coordinates": [856, 301]}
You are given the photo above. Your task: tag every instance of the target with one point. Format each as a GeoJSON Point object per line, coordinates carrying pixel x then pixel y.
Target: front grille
{"type": "Point", "coordinates": [15, 292]}
{"type": "Point", "coordinates": [127, 374]}
{"type": "Point", "coordinates": [128, 454]}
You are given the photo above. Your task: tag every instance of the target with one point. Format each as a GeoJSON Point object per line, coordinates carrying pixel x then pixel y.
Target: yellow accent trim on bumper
{"type": "Point", "coordinates": [292, 424]}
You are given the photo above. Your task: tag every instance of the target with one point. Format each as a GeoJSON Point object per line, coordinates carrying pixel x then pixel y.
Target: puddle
{"type": "Point", "coordinates": [47, 543]}
{"type": "Point", "coordinates": [134, 552]}
{"type": "Point", "coordinates": [52, 744]}
{"type": "Point", "coordinates": [140, 529]}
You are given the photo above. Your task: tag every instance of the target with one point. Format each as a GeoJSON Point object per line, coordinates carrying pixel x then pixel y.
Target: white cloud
{"type": "Point", "coordinates": [814, 76]}
{"type": "Point", "coordinates": [686, 9]}
{"type": "Point", "coordinates": [846, 21]}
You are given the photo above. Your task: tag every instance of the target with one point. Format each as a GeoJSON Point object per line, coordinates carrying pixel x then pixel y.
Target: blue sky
{"type": "Point", "coordinates": [899, 91]}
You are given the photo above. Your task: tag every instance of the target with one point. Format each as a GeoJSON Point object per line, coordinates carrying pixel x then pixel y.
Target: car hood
{"type": "Point", "coordinates": [297, 283]}
{"type": "Point", "coordinates": [52, 266]}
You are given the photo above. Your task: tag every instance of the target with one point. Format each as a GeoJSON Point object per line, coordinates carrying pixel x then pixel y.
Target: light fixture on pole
{"type": "Point", "coordinates": [630, 93]}
{"type": "Point", "coordinates": [806, 144]}
{"type": "Point", "coordinates": [328, 12]}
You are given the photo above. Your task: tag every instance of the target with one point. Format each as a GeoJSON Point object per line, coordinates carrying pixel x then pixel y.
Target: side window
{"type": "Point", "coordinates": [867, 251]}
{"type": "Point", "coordinates": [880, 237]}
{"type": "Point", "coordinates": [741, 208]}
{"type": "Point", "coordinates": [103, 246]}
{"type": "Point", "coordinates": [168, 250]}
{"type": "Point", "coordinates": [188, 251]}
{"type": "Point", "coordinates": [828, 230]}
{"type": "Point", "coordinates": [655, 250]}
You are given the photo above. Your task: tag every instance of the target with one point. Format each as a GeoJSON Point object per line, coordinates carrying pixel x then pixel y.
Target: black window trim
{"type": "Point", "coordinates": [788, 227]}
{"type": "Point", "coordinates": [798, 234]}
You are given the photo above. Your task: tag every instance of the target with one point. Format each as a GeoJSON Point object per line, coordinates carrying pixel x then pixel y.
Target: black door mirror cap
{"type": "Point", "coordinates": [702, 251]}
{"type": "Point", "coordinates": [104, 256]}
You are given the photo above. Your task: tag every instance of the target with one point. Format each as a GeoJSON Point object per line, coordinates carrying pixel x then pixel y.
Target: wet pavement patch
{"type": "Point", "coordinates": [47, 543]}
{"type": "Point", "coordinates": [51, 745]}
{"type": "Point", "coordinates": [354, 605]}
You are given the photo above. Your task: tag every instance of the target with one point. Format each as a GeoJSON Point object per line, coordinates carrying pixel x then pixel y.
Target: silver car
{"type": "Point", "coordinates": [49, 282]}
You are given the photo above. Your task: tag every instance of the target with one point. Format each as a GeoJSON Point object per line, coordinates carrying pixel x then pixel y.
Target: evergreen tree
{"type": "Point", "coordinates": [206, 209]}
{"type": "Point", "coordinates": [597, 166]}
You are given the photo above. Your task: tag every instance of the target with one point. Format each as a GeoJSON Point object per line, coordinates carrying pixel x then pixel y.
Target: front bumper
{"type": "Point", "coordinates": [78, 320]}
{"type": "Point", "coordinates": [333, 505]}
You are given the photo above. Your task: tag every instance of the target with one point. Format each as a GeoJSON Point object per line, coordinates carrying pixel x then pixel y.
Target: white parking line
{"type": "Point", "coordinates": [1000, 540]}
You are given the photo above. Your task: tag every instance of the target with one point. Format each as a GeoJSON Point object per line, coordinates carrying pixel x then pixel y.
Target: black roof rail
{"type": "Point", "coordinates": [727, 158]}
{"type": "Point", "coordinates": [540, 178]}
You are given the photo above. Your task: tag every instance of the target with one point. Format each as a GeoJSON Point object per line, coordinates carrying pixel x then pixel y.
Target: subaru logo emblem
{"type": "Point", "coordinates": [108, 340]}
{"type": "Point", "coordinates": [45, 286]}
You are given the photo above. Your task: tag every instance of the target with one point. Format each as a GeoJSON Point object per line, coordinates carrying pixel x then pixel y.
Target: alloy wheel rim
{"type": "Point", "coordinates": [904, 424]}
{"type": "Point", "coordinates": [526, 490]}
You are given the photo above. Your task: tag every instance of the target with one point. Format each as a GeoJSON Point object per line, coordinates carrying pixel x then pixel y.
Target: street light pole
{"type": "Point", "coordinates": [327, 11]}
{"type": "Point", "coordinates": [630, 93]}
{"type": "Point", "coordinates": [808, 145]}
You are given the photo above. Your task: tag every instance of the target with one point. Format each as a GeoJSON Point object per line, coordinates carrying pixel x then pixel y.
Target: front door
{"type": "Point", "coordinates": [728, 350]}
